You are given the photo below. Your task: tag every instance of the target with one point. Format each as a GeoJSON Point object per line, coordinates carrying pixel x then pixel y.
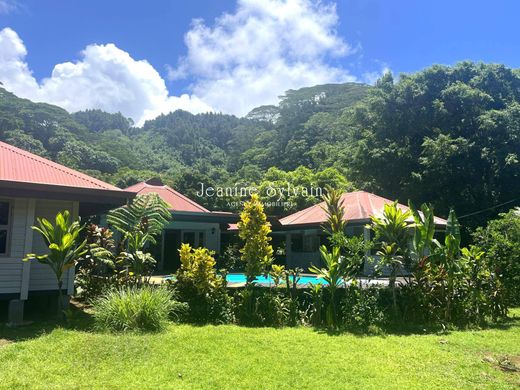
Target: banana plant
{"type": "Point", "coordinates": [423, 242]}
{"type": "Point", "coordinates": [448, 258]}
{"type": "Point", "coordinates": [65, 247]}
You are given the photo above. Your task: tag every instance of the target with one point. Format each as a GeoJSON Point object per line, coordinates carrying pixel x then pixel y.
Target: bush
{"type": "Point", "coordinates": [143, 309]}
{"type": "Point", "coordinates": [361, 308]}
{"type": "Point", "coordinates": [501, 242]}
{"type": "Point", "coordinates": [204, 291]}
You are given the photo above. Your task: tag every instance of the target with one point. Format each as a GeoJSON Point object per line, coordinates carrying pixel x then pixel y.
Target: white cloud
{"type": "Point", "coordinates": [244, 59]}
{"type": "Point", "coordinates": [106, 77]}
{"type": "Point", "coordinates": [250, 57]}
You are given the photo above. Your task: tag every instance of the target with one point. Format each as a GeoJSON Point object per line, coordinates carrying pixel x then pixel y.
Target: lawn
{"type": "Point", "coordinates": [234, 357]}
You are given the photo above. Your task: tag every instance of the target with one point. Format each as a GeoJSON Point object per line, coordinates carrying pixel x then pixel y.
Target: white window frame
{"type": "Point", "coordinates": [7, 227]}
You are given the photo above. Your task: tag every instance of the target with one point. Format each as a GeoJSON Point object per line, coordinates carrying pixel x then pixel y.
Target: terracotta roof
{"type": "Point", "coordinates": [176, 200]}
{"type": "Point", "coordinates": [359, 206]}
{"type": "Point", "coordinates": [20, 166]}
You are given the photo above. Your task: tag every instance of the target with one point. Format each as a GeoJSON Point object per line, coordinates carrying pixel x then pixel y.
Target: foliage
{"type": "Point", "coordinates": [145, 218]}
{"type": "Point", "coordinates": [362, 309]}
{"type": "Point", "coordinates": [278, 273]}
{"type": "Point", "coordinates": [198, 284]}
{"type": "Point", "coordinates": [254, 229]}
{"type": "Point", "coordinates": [316, 305]}
{"type": "Point", "coordinates": [96, 269]}
{"type": "Point", "coordinates": [230, 257]}
{"type": "Point", "coordinates": [297, 189]}
{"type": "Point", "coordinates": [139, 223]}
{"type": "Point", "coordinates": [140, 309]}
{"type": "Point", "coordinates": [500, 240]}
{"type": "Point", "coordinates": [331, 273]}
{"type": "Point", "coordinates": [446, 134]}
{"type": "Point", "coordinates": [257, 306]}
{"type": "Point", "coordinates": [64, 244]}
{"type": "Point", "coordinates": [198, 267]}
{"type": "Point", "coordinates": [392, 232]}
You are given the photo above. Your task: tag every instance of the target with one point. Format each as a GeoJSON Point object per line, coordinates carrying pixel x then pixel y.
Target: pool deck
{"type": "Point", "coordinates": [160, 279]}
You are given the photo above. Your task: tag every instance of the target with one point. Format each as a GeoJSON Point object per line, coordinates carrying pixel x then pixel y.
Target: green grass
{"type": "Point", "coordinates": [231, 357]}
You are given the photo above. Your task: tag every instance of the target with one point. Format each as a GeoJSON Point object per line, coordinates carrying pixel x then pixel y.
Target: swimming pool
{"type": "Point", "coordinates": [266, 281]}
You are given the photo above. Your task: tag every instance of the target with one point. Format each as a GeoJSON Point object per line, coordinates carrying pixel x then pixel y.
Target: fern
{"type": "Point", "coordinates": [146, 217]}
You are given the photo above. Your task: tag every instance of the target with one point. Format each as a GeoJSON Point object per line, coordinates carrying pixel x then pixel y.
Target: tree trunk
{"type": "Point", "coordinates": [60, 299]}
{"type": "Point", "coordinates": [391, 283]}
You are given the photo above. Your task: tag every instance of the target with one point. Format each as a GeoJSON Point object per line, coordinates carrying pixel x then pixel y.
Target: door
{"type": "Point", "coordinates": [193, 237]}
{"type": "Point", "coordinates": [172, 243]}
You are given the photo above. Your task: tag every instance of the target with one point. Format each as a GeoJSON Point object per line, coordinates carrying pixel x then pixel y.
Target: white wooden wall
{"type": "Point", "coordinates": [21, 277]}
{"type": "Point", "coordinates": [11, 267]}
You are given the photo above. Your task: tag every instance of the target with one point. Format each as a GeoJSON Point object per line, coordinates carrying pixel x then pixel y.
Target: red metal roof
{"type": "Point", "coordinates": [359, 206]}
{"type": "Point", "coordinates": [176, 200]}
{"type": "Point", "coordinates": [20, 166]}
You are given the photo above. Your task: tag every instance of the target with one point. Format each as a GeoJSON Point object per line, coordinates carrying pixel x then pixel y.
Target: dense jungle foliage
{"type": "Point", "coordinates": [447, 135]}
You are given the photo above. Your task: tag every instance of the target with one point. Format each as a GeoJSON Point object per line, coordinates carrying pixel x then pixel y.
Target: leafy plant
{"type": "Point", "coordinates": [392, 232]}
{"type": "Point", "coordinates": [331, 273]}
{"type": "Point", "coordinates": [65, 247]}
{"type": "Point", "coordinates": [315, 308]}
{"type": "Point", "coordinates": [500, 239]}
{"type": "Point", "coordinates": [254, 230]}
{"type": "Point", "coordinates": [198, 284]}
{"type": "Point", "coordinates": [448, 258]}
{"type": "Point", "coordinates": [278, 273]}
{"type": "Point", "coordinates": [139, 223]}
{"type": "Point", "coordinates": [96, 268]}
{"type": "Point", "coordinates": [141, 309]}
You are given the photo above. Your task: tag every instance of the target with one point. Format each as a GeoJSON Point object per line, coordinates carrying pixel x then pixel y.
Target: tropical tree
{"type": "Point", "coordinates": [254, 230]}
{"type": "Point", "coordinates": [139, 223]}
{"type": "Point", "coordinates": [65, 247]}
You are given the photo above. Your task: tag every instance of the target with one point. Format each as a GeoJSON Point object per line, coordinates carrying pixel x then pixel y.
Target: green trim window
{"type": "Point", "coordinates": [5, 224]}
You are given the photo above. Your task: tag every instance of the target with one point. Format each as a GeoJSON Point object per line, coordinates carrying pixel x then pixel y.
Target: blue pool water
{"type": "Point", "coordinates": [241, 278]}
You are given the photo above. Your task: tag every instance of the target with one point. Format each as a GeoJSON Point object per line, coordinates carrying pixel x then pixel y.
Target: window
{"type": "Point", "coordinates": [5, 220]}
{"type": "Point", "coordinates": [304, 243]}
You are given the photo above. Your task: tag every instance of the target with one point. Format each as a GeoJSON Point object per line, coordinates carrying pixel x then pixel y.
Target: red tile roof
{"type": "Point", "coordinates": [20, 166]}
{"type": "Point", "coordinates": [359, 206]}
{"type": "Point", "coordinates": [176, 200]}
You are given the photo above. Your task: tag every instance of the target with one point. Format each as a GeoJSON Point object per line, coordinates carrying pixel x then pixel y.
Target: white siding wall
{"type": "Point", "coordinates": [41, 277]}
{"type": "Point", "coordinates": [12, 265]}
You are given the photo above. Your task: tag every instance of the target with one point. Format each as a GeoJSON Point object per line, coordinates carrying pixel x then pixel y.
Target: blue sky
{"type": "Point", "coordinates": [235, 62]}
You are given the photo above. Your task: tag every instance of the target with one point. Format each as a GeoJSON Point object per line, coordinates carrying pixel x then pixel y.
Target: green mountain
{"type": "Point", "coordinates": [449, 135]}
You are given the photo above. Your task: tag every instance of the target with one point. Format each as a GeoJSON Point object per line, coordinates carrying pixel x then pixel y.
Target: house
{"type": "Point", "coordinates": [32, 187]}
{"type": "Point", "coordinates": [191, 223]}
{"type": "Point", "coordinates": [304, 233]}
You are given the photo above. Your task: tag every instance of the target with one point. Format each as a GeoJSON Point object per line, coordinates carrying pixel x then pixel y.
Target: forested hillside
{"type": "Point", "coordinates": [446, 135]}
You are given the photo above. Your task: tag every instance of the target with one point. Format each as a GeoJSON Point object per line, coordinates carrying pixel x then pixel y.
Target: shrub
{"type": "Point", "coordinates": [254, 230]}
{"type": "Point", "coordinates": [96, 269]}
{"type": "Point", "coordinates": [204, 291]}
{"type": "Point", "coordinates": [362, 309]}
{"type": "Point", "coordinates": [258, 306]}
{"type": "Point", "coordinates": [501, 242]}
{"type": "Point", "coordinates": [139, 309]}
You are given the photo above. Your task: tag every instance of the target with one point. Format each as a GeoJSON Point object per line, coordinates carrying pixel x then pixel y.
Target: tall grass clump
{"type": "Point", "coordinates": [140, 309]}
